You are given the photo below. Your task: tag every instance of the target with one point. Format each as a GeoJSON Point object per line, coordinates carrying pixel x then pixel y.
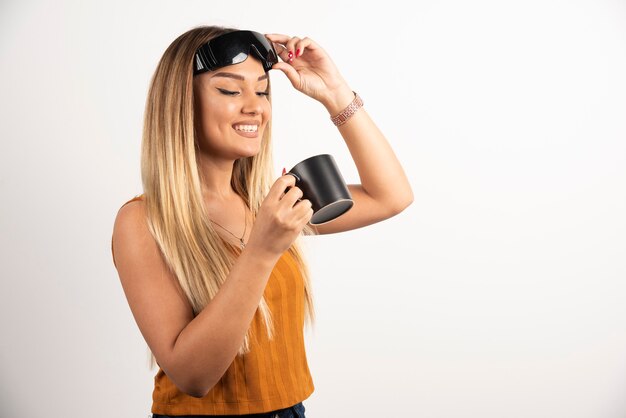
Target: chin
{"type": "Point", "coordinates": [250, 151]}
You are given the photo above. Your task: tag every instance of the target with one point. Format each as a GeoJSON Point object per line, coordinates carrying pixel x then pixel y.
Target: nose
{"type": "Point", "coordinates": [253, 104]}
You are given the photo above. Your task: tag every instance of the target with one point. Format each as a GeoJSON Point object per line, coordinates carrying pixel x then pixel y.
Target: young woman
{"type": "Point", "coordinates": [209, 255]}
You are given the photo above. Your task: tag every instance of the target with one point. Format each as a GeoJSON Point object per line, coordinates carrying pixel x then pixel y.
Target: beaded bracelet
{"type": "Point", "coordinates": [350, 110]}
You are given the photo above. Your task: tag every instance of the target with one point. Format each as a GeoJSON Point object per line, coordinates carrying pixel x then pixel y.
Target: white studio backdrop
{"type": "Point", "coordinates": [498, 293]}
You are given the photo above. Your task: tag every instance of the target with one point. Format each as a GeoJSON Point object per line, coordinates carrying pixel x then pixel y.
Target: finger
{"type": "Point", "coordinates": [301, 45]}
{"type": "Point", "coordinates": [282, 52]}
{"type": "Point", "coordinates": [280, 185]}
{"type": "Point", "coordinates": [279, 41]}
{"type": "Point", "coordinates": [303, 205]}
{"type": "Point", "coordinates": [307, 215]}
{"type": "Point", "coordinates": [284, 39]}
{"type": "Point", "coordinates": [278, 37]}
{"type": "Point", "coordinates": [287, 53]}
{"type": "Point", "coordinates": [291, 50]}
{"type": "Point", "coordinates": [290, 72]}
{"type": "Point", "coordinates": [292, 197]}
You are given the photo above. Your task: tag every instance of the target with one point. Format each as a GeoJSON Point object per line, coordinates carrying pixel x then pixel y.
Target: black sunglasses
{"type": "Point", "coordinates": [233, 48]}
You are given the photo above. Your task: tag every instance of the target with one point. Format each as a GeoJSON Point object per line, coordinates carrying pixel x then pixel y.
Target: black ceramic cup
{"type": "Point", "coordinates": [321, 182]}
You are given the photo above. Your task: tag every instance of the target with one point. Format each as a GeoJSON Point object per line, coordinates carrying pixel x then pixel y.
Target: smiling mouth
{"type": "Point", "coordinates": [246, 128]}
{"type": "Point", "coordinates": [248, 133]}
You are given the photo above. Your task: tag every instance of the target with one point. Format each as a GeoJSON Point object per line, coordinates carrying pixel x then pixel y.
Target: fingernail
{"type": "Point", "coordinates": [297, 52]}
{"type": "Point", "coordinates": [290, 54]}
{"type": "Point", "coordinates": [284, 171]}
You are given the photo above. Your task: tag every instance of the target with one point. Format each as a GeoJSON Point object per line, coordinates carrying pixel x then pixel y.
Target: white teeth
{"type": "Point", "coordinates": [246, 128]}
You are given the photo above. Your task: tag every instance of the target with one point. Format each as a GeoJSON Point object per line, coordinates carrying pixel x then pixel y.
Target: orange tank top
{"type": "Point", "coordinates": [273, 375]}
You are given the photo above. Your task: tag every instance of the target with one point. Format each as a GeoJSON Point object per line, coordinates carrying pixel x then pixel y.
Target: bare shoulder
{"type": "Point", "coordinates": [131, 235]}
{"type": "Point", "coordinates": [156, 300]}
{"type": "Point", "coordinates": [130, 223]}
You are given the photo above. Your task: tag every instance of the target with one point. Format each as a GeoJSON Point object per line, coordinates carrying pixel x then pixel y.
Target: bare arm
{"type": "Point", "coordinates": [193, 352]}
{"type": "Point", "coordinates": [384, 190]}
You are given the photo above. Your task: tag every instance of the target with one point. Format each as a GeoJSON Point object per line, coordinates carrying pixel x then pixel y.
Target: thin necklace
{"type": "Point", "coordinates": [243, 245]}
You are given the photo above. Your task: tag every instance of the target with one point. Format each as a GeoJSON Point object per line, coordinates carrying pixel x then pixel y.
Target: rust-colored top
{"type": "Point", "coordinates": [273, 375]}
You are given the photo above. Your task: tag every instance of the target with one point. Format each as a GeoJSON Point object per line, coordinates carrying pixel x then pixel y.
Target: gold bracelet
{"type": "Point", "coordinates": [350, 110]}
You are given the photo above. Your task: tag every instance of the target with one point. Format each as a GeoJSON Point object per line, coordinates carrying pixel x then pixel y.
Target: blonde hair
{"type": "Point", "coordinates": [177, 217]}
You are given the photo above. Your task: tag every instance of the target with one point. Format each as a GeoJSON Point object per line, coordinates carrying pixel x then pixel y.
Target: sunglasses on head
{"type": "Point", "coordinates": [233, 48]}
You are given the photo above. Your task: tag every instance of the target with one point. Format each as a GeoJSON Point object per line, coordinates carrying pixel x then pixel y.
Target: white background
{"type": "Point", "coordinates": [498, 293]}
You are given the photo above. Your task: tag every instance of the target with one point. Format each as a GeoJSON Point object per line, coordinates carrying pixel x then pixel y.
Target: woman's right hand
{"type": "Point", "coordinates": [280, 218]}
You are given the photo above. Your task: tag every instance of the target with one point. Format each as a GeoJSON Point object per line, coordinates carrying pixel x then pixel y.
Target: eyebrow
{"type": "Point", "coordinates": [239, 77]}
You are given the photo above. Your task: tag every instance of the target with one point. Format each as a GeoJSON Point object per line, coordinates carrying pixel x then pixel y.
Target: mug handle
{"type": "Point", "coordinates": [297, 180]}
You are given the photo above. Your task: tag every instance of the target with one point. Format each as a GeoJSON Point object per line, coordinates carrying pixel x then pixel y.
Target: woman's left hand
{"type": "Point", "coordinates": [310, 70]}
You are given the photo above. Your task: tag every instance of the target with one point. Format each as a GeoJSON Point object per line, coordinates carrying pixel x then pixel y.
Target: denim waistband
{"type": "Point", "coordinates": [295, 411]}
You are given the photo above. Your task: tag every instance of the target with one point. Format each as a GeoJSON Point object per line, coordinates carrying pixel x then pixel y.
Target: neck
{"type": "Point", "coordinates": [216, 176]}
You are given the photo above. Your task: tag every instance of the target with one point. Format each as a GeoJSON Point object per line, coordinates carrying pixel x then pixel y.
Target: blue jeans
{"type": "Point", "coordinates": [296, 411]}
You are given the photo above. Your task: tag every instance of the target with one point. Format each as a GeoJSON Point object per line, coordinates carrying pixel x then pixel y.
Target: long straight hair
{"type": "Point", "coordinates": [177, 217]}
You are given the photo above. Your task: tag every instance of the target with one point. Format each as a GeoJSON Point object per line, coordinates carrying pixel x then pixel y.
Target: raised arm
{"type": "Point", "coordinates": [384, 190]}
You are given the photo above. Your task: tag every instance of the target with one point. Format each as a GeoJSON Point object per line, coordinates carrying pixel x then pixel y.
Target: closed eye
{"type": "Point", "coordinates": [227, 92]}
{"type": "Point", "coordinates": [233, 93]}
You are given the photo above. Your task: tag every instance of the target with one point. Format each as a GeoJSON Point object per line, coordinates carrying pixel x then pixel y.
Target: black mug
{"type": "Point", "coordinates": [321, 182]}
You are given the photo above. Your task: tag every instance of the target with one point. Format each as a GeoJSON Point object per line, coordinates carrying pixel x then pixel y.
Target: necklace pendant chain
{"type": "Point", "coordinates": [243, 245]}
